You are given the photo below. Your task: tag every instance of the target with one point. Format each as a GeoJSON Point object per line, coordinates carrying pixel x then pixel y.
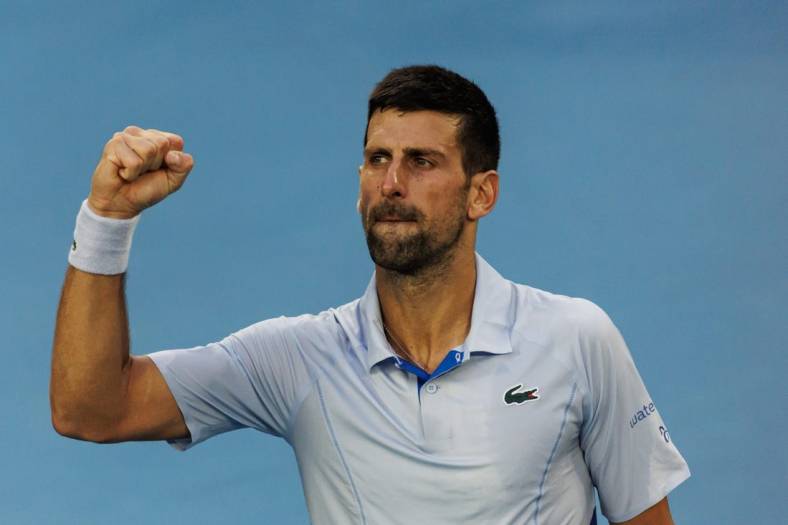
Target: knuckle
{"type": "Point", "coordinates": [160, 142]}
{"type": "Point", "coordinates": [111, 143]}
{"type": "Point", "coordinates": [147, 149]}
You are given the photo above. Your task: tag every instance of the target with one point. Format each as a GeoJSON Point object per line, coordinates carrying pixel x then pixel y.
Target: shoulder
{"type": "Point", "coordinates": [307, 332]}
{"type": "Point", "coordinates": [576, 332]}
{"type": "Point", "coordinates": [557, 318]}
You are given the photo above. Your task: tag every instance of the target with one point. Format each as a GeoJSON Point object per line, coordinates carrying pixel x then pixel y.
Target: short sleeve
{"type": "Point", "coordinates": [251, 379]}
{"type": "Point", "coordinates": [628, 449]}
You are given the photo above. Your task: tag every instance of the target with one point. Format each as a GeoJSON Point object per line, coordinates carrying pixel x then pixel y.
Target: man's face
{"type": "Point", "coordinates": [413, 190]}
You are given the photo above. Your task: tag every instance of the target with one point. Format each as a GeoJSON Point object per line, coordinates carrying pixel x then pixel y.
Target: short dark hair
{"type": "Point", "coordinates": [430, 87]}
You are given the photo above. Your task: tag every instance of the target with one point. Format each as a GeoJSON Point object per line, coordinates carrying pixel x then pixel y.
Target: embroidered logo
{"type": "Point", "coordinates": [74, 245]}
{"type": "Point", "coordinates": [513, 397]}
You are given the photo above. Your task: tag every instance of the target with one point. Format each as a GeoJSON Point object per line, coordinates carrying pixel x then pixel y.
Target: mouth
{"type": "Point", "coordinates": [393, 222]}
{"type": "Point", "coordinates": [393, 219]}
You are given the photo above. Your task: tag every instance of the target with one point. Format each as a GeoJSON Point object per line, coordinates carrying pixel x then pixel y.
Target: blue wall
{"type": "Point", "coordinates": [644, 167]}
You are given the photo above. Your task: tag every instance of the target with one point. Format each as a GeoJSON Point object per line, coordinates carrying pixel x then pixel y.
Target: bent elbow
{"type": "Point", "coordinates": [75, 429]}
{"type": "Point", "coordinates": [64, 428]}
{"type": "Point", "coordinates": [67, 428]}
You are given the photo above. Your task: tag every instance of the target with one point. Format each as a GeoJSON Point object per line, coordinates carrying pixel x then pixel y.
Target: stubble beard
{"type": "Point", "coordinates": [427, 250]}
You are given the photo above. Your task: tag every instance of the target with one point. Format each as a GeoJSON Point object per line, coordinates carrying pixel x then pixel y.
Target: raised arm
{"type": "Point", "coordinates": [98, 392]}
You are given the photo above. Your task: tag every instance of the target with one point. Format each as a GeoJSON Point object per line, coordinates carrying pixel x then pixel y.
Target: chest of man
{"type": "Point", "coordinates": [485, 439]}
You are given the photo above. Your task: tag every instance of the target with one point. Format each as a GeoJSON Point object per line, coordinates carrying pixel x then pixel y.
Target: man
{"type": "Point", "coordinates": [446, 394]}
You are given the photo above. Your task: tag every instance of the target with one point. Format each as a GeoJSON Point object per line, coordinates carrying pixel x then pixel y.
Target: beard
{"type": "Point", "coordinates": [410, 253]}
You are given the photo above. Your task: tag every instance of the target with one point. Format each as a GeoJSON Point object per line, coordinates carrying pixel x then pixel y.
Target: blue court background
{"type": "Point", "coordinates": [644, 167]}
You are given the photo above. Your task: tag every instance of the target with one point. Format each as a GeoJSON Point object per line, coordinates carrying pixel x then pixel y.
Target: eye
{"type": "Point", "coordinates": [376, 159]}
{"type": "Point", "coordinates": [422, 162]}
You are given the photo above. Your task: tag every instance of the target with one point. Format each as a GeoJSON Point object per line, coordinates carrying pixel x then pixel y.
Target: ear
{"type": "Point", "coordinates": [483, 194]}
{"type": "Point", "coordinates": [358, 201]}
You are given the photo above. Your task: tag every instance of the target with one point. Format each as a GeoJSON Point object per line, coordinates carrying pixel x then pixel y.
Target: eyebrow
{"type": "Point", "coordinates": [410, 152]}
{"type": "Point", "coordinates": [424, 152]}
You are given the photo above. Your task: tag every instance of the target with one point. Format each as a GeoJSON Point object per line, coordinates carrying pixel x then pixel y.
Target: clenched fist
{"type": "Point", "coordinates": [138, 168]}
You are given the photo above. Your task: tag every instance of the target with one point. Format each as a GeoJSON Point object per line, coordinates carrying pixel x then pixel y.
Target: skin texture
{"type": "Point", "coordinates": [98, 392]}
{"type": "Point", "coordinates": [413, 170]}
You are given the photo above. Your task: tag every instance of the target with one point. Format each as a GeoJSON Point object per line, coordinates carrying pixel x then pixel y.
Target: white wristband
{"type": "Point", "coordinates": [101, 245]}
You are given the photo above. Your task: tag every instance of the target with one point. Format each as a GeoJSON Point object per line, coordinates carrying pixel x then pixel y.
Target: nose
{"type": "Point", "coordinates": [394, 183]}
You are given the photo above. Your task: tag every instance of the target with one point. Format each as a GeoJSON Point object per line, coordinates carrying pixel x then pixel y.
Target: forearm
{"type": "Point", "coordinates": [98, 392]}
{"type": "Point", "coordinates": [90, 355]}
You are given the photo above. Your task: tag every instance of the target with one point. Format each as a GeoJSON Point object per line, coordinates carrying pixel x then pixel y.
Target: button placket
{"type": "Point", "coordinates": [435, 427]}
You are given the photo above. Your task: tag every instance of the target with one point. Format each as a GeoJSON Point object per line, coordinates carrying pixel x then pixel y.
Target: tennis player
{"type": "Point", "coordinates": [445, 394]}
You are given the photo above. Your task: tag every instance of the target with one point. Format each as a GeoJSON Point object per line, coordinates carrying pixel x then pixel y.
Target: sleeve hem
{"type": "Point", "coordinates": [181, 444]}
{"type": "Point", "coordinates": [671, 483]}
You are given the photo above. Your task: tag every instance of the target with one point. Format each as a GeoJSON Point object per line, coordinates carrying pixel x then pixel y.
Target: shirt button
{"type": "Point", "coordinates": [432, 388]}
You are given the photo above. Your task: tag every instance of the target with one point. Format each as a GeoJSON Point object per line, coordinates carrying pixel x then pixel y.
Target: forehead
{"type": "Point", "coordinates": [393, 128]}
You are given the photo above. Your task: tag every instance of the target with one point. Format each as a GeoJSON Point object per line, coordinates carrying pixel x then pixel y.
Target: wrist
{"type": "Point", "coordinates": [94, 206]}
{"type": "Point", "coordinates": [101, 244]}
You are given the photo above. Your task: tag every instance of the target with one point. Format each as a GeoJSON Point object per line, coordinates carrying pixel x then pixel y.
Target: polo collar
{"type": "Point", "coordinates": [491, 319]}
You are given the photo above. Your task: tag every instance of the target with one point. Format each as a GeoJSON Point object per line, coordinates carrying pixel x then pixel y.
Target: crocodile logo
{"type": "Point", "coordinates": [513, 397]}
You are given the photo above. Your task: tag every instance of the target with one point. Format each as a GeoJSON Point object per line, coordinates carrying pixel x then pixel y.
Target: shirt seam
{"type": "Point", "coordinates": [335, 442]}
{"type": "Point", "coordinates": [287, 435]}
{"type": "Point", "coordinates": [552, 453]}
{"type": "Point", "coordinates": [255, 385]}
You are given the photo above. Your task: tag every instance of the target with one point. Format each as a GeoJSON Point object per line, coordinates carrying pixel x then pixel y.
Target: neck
{"type": "Point", "coordinates": [428, 314]}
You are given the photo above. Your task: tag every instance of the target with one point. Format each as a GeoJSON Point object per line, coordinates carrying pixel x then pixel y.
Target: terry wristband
{"type": "Point", "coordinates": [101, 245]}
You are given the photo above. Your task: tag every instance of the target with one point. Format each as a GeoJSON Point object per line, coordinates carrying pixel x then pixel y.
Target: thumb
{"type": "Point", "coordinates": [179, 165]}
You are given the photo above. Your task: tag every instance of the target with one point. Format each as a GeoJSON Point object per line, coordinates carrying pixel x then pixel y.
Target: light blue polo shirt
{"type": "Point", "coordinates": [539, 405]}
